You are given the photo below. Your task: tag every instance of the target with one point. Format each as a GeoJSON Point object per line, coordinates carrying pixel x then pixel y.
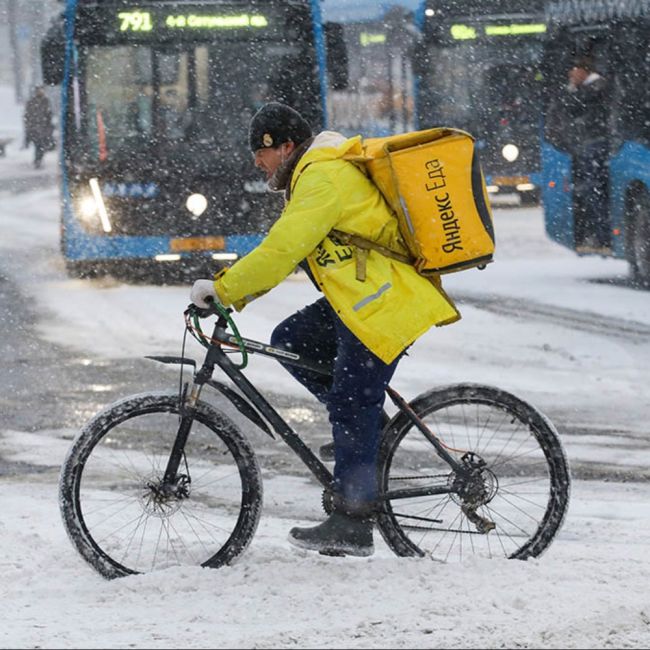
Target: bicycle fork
{"type": "Point", "coordinates": [173, 482]}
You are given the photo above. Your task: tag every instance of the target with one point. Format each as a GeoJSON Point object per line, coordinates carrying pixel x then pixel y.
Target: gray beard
{"type": "Point", "coordinates": [279, 181]}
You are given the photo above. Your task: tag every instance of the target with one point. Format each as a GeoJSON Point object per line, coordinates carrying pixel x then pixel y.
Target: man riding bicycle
{"type": "Point", "coordinates": [373, 308]}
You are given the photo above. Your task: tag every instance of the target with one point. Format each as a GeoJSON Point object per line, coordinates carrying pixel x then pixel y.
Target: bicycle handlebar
{"type": "Point", "coordinates": [215, 309]}
{"type": "Point", "coordinates": [193, 312]}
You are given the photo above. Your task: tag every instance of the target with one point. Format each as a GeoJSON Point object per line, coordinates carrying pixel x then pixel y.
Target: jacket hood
{"type": "Point", "coordinates": [327, 146]}
{"type": "Point", "coordinates": [330, 145]}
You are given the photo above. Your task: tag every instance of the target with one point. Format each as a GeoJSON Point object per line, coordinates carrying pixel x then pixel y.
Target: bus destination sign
{"type": "Point", "coordinates": [102, 24]}
{"type": "Point", "coordinates": [146, 21]}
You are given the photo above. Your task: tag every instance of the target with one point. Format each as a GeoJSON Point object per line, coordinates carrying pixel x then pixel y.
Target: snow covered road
{"type": "Point", "coordinates": [563, 332]}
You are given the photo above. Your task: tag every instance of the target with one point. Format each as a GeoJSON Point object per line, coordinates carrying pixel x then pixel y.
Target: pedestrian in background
{"type": "Point", "coordinates": [38, 124]}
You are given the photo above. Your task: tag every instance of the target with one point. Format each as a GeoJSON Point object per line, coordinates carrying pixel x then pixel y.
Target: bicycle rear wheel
{"type": "Point", "coordinates": [510, 502]}
{"type": "Point", "coordinates": [114, 504]}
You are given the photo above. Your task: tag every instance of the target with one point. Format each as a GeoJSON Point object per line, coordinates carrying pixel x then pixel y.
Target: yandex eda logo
{"type": "Point", "coordinates": [437, 183]}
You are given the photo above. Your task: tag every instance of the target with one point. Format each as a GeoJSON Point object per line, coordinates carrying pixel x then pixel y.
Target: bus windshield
{"type": "Point", "coordinates": [481, 85]}
{"type": "Point", "coordinates": [157, 97]}
{"type": "Point", "coordinates": [137, 97]}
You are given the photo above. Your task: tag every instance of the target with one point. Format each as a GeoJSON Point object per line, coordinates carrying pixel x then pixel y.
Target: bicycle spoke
{"type": "Point", "coordinates": [499, 501]}
{"type": "Point", "coordinates": [126, 517]}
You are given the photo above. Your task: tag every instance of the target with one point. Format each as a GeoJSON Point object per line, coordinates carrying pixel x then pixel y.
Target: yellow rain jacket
{"type": "Point", "coordinates": [387, 311]}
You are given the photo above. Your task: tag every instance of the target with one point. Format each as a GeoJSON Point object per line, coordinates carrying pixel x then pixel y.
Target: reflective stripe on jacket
{"type": "Point", "coordinates": [387, 311]}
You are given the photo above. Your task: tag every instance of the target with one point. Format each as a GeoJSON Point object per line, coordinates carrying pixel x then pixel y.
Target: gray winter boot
{"type": "Point", "coordinates": [341, 534]}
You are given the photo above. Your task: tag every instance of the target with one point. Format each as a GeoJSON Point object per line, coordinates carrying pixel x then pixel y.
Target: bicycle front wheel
{"type": "Point", "coordinates": [509, 497]}
{"type": "Point", "coordinates": [121, 516]}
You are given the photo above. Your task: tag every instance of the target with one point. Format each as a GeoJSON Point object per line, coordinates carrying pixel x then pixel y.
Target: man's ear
{"type": "Point", "coordinates": [289, 147]}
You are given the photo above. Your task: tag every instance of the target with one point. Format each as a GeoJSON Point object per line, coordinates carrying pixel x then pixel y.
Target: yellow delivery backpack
{"type": "Point", "coordinates": [433, 181]}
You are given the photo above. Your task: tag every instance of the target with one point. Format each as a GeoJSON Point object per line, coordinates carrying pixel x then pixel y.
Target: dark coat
{"type": "Point", "coordinates": [587, 107]}
{"type": "Point", "coordinates": [38, 121]}
{"type": "Point", "coordinates": [577, 120]}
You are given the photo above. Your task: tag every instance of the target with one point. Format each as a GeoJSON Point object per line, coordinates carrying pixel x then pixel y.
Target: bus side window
{"type": "Point", "coordinates": [337, 56]}
{"type": "Point", "coordinates": [555, 67]}
{"type": "Point", "coordinates": [644, 83]}
{"type": "Point", "coordinates": [632, 96]}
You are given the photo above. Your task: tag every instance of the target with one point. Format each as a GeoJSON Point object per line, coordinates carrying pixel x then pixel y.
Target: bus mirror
{"type": "Point", "coordinates": [53, 56]}
{"type": "Point", "coordinates": [419, 58]}
{"type": "Point", "coordinates": [337, 56]}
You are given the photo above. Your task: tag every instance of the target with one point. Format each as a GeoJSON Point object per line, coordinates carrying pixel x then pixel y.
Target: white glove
{"type": "Point", "coordinates": [202, 292]}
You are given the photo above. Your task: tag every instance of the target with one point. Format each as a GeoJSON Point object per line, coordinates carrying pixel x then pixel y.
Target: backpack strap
{"type": "Point", "coordinates": [363, 246]}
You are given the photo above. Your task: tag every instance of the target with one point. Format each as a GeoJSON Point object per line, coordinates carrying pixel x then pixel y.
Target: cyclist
{"type": "Point", "coordinates": [373, 307]}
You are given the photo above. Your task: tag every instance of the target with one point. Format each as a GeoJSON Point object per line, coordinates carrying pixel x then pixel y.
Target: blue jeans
{"type": "Point", "coordinates": [354, 394]}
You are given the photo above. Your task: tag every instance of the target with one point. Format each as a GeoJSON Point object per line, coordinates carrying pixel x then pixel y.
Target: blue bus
{"type": "Point", "coordinates": [156, 100]}
{"type": "Point", "coordinates": [615, 35]}
{"type": "Point", "coordinates": [378, 98]}
{"type": "Point", "coordinates": [478, 67]}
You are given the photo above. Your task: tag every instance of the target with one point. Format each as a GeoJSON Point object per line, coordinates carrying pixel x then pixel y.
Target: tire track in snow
{"type": "Point", "coordinates": [608, 326]}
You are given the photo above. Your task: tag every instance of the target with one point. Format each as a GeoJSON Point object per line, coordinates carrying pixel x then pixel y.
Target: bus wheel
{"type": "Point", "coordinates": [529, 199]}
{"type": "Point", "coordinates": [84, 270]}
{"type": "Point", "coordinates": [639, 255]}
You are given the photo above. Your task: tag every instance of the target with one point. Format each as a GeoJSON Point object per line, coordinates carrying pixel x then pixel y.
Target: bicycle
{"type": "Point", "coordinates": [165, 478]}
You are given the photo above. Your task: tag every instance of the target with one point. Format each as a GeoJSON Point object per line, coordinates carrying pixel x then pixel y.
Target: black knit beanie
{"type": "Point", "coordinates": [276, 123]}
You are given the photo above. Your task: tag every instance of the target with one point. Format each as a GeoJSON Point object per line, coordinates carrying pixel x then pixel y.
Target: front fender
{"type": "Point", "coordinates": [235, 398]}
{"type": "Point", "coordinates": [173, 360]}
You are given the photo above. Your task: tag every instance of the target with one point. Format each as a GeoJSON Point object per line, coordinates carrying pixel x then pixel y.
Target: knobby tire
{"type": "Point", "coordinates": [120, 520]}
{"type": "Point", "coordinates": [524, 486]}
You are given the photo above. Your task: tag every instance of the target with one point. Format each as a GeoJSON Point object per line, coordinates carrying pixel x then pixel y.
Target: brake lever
{"type": "Point", "coordinates": [201, 312]}
{"type": "Point", "coordinates": [194, 310]}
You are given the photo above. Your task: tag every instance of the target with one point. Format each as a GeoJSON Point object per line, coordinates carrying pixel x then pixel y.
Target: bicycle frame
{"type": "Point", "coordinates": [256, 404]}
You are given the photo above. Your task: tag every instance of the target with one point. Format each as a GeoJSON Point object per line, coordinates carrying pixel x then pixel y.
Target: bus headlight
{"type": "Point", "coordinates": [101, 206]}
{"type": "Point", "coordinates": [510, 152]}
{"type": "Point", "coordinates": [91, 209]}
{"type": "Point", "coordinates": [88, 208]}
{"type": "Point", "coordinates": [196, 204]}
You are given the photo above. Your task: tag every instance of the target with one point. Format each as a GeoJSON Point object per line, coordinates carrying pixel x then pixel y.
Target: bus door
{"type": "Point", "coordinates": [629, 167]}
{"type": "Point", "coordinates": [569, 127]}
